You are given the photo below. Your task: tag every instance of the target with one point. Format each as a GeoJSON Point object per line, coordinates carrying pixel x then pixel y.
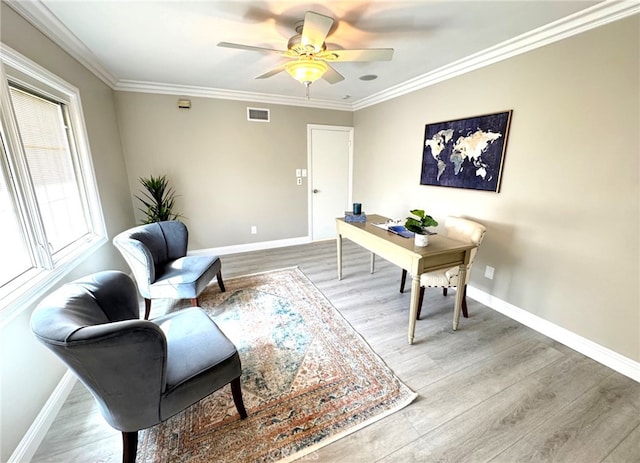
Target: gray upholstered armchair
{"type": "Point", "coordinates": [140, 372]}
{"type": "Point", "coordinates": [157, 256]}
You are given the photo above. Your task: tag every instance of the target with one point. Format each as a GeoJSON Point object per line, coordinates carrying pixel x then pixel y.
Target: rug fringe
{"type": "Point", "coordinates": [247, 275]}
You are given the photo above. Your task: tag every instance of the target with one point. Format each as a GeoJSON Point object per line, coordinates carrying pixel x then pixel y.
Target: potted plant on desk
{"type": "Point", "coordinates": [419, 226]}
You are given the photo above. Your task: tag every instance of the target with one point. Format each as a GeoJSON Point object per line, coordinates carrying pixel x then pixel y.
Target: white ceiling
{"type": "Point", "coordinates": [172, 45]}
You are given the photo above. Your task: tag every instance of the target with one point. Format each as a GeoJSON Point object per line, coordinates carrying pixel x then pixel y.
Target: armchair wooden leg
{"type": "Point", "coordinates": [420, 299]}
{"type": "Point", "coordinates": [220, 282]}
{"type": "Point", "coordinates": [444, 291]}
{"type": "Point", "coordinates": [129, 446]}
{"type": "Point", "coordinates": [236, 391]}
{"type": "Point", "coordinates": [465, 314]}
{"type": "Point", "coordinates": [147, 308]}
{"type": "Point", "coordinates": [195, 302]}
{"type": "Point", "coordinates": [403, 280]}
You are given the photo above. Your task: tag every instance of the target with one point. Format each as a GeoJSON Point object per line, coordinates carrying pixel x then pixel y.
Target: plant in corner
{"type": "Point", "coordinates": [419, 226]}
{"type": "Point", "coordinates": [158, 199]}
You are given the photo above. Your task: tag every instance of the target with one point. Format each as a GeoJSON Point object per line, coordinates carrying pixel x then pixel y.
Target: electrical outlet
{"type": "Point", "coordinates": [254, 229]}
{"type": "Point", "coordinates": [488, 272]}
{"type": "Point", "coordinates": [299, 181]}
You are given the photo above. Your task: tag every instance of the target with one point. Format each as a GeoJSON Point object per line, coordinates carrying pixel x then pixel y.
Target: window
{"type": "Point", "coordinates": [49, 207]}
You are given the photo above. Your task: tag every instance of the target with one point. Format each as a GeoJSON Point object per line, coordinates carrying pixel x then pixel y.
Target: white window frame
{"type": "Point", "coordinates": [31, 286]}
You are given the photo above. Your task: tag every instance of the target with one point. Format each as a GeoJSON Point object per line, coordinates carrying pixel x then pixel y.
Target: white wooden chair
{"type": "Point", "coordinates": [459, 229]}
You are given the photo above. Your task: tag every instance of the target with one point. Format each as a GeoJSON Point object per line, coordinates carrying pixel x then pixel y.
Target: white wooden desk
{"type": "Point", "coordinates": [442, 252]}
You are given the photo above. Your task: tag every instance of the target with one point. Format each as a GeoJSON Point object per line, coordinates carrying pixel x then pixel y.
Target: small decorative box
{"type": "Point", "coordinates": [350, 217]}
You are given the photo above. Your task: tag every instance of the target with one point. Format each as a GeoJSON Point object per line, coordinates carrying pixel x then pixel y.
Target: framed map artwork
{"type": "Point", "coordinates": [466, 153]}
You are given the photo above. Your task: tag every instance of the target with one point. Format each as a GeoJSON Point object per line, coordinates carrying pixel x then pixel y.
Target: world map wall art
{"type": "Point", "coordinates": [466, 153]}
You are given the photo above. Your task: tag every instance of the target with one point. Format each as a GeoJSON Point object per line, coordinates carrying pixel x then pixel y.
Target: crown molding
{"type": "Point", "coordinates": [208, 92]}
{"type": "Point", "coordinates": [600, 14]}
{"type": "Point", "coordinates": [46, 22]}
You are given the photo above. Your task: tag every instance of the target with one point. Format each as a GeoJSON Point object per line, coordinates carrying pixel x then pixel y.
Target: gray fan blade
{"type": "Point", "coordinates": [273, 72]}
{"type": "Point", "coordinates": [239, 46]}
{"type": "Point", "coordinates": [315, 29]}
{"type": "Point", "coordinates": [367, 54]}
{"type": "Point", "coordinates": [332, 76]}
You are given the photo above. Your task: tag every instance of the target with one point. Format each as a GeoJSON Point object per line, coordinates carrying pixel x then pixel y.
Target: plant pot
{"type": "Point", "coordinates": [421, 240]}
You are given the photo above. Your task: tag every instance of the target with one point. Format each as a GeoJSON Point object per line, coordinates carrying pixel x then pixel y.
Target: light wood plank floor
{"type": "Point", "coordinates": [493, 391]}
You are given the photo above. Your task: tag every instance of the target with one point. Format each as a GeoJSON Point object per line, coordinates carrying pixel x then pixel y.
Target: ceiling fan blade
{"type": "Point", "coordinates": [271, 73]}
{"type": "Point", "coordinates": [315, 29]}
{"type": "Point", "coordinates": [367, 54]}
{"type": "Point", "coordinates": [332, 76]}
{"type": "Point", "coordinates": [239, 46]}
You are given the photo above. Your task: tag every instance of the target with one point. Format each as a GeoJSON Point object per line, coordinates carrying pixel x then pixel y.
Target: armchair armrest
{"type": "Point", "coordinates": [140, 260]}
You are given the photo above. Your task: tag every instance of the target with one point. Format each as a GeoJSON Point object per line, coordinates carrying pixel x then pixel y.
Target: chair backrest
{"type": "Point", "coordinates": [147, 247]}
{"type": "Point", "coordinates": [467, 231]}
{"type": "Point", "coordinates": [92, 325]}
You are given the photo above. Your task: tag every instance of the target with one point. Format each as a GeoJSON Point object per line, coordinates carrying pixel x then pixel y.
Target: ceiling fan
{"type": "Point", "coordinates": [309, 55]}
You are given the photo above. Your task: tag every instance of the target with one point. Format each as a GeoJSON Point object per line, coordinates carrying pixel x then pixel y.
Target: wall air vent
{"type": "Point", "coordinates": [258, 114]}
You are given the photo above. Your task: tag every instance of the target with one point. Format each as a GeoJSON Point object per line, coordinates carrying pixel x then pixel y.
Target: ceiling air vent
{"type": "Point", "coordinates": [258, 114]}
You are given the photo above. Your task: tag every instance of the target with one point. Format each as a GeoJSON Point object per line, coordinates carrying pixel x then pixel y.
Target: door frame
{"type": "Point", "coordinates": [310, 128]}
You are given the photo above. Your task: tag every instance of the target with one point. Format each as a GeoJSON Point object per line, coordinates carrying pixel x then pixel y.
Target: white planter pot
{"type": "Point", "coordinates": [421, 240]}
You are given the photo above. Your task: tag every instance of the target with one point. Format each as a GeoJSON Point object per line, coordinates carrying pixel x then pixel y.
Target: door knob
{"type": "Point", "coordinates": [316, 190]}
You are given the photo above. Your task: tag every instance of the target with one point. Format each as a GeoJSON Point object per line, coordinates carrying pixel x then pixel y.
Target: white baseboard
{"type": "Point", "coordinates": [600, 354]}
{"type": "Point", "coordinates": [33, 438]}
{"type": "Point", "coordinates": [221, 251]}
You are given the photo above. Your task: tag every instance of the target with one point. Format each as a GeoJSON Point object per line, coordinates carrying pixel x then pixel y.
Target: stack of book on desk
{"type": "Point", "coordinates": [395, 226]}
{"type": "Point", "coordinates": [400, 230]}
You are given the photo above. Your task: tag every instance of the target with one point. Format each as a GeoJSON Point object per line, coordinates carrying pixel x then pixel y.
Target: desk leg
{"type": "Point", "coordinates": [413, 308]}
{"type": "Point", "coordinates": [462, 276]}
{"type": "Point", "coordinates": [373, 262]}
{"type": "Point", "coordinates": [339, 244]}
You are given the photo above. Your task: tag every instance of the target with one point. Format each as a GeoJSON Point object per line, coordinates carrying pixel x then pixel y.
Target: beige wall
{"type": "Point", "coordinates": [563, 233]}
{"type": "Point", "coordinates": [229, 173]}
{"type": "Point", "coordinates": [28, 372]}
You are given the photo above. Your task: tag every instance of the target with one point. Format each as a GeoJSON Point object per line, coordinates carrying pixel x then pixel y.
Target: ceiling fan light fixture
{"type": "Point", "coordinates": [306, 71]}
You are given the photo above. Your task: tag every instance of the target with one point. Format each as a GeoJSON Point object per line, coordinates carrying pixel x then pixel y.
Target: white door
{"type": "Point", "coordinates": [330, 159]}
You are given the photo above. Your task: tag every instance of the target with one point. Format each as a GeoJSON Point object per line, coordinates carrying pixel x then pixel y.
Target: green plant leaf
{"type": "Point", "coordinates": [423, 221]}
{"type": "Point", "coordinates": [413, 225]}
{"type": "Point", "coordinates": [418, 212]}
{"type": "Point", "coordinates": [158, 199]}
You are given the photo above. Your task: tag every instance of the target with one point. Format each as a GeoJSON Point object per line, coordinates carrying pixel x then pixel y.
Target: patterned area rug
{"type": "Point", "coordinates": [308, 378]}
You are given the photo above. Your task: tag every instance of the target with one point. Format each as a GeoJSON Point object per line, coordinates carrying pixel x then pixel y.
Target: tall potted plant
{"type": "Point", "coordinates": [419, 224]}
{"type": "Point", "coordinates": [158, 199]}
